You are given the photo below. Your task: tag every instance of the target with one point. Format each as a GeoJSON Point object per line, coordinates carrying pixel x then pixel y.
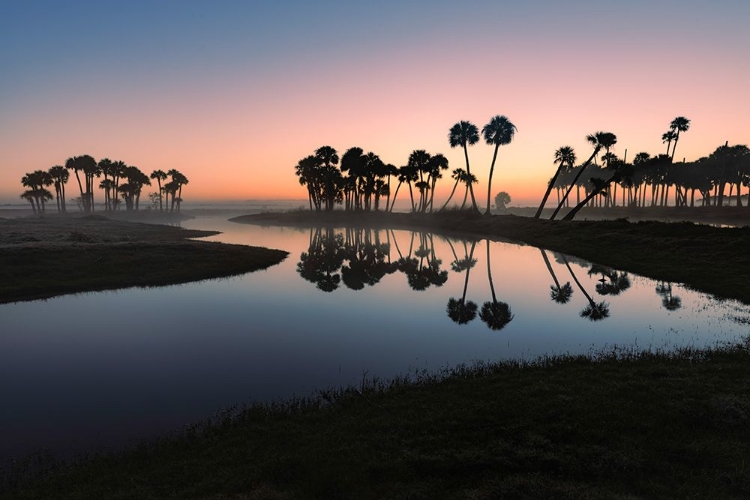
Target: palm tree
{"type": "Point", "coordinates": [469, 180]}
{"type": "Point", "coordinates": [622, 172]}
{"type": "Point", "coordinates": [90, 168]}
{"type": "Point", "coordinates": [438, 162]}
{"type": "Point", "coordinates": [60, 177]}
{"type": "Point", "coordinates": [564, 155]}
{"type": "Point", "coordinates": [179, 180]}
{"type": "Point", "coordinates": [599, 140]}
{"type": "Point", "coordinates": [499, 131]}
{"type": "Point", "coordinates": [495, 314]}
{"type": "Point", "coordinates": [465, 134]}
{"type": "Point", "coordinates": [159, 175]}
{"type": "Point", "coordinates": [679, 124]}
{"type": "Point", "coordinates": [667, 138]}
{"type": "Point", "coordinates": [457, 174]}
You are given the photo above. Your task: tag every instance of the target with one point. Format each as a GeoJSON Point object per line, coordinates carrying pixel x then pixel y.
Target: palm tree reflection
{"type": "Point", "coordinates": [495, 314]}
{"type": "Point", "coordinates": [593, 311]}
{"type": "Point", "coordinates": [558, 293]}
{"type": "Point", "coordinates": [668, 301]}
{"type": "Point", "coordinates": [459, 310]}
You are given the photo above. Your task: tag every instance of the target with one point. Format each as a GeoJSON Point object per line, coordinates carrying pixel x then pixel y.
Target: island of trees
{"type": "Point", "coordinates": [120, 181]}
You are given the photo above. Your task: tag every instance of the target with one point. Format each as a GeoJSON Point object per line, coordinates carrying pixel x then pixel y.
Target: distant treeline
{"type": "Point", "coordinates": [120, 181]}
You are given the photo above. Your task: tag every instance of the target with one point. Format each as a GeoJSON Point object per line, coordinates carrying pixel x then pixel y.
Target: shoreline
{"type": "Point", "coordinates": [41, 258]}
{"type": "Point", "coordinates": [708, 259]}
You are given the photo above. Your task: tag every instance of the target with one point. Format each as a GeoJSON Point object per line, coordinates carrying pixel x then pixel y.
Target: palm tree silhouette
{"type": "Point", "coordinates": [465, 134]}
{"type": "Point", "coordinates": [679, 124]}
{"type": "Point", "coordinates": [495, 314]}
{"type": "Point", "coordinates": [159, 175]}
{"type": "Point", "coordinates": [558, 293]}
{"type": "Point", "coordinates": [592, 311]}
{"type": "Point", "coordinates": [60, 177]}
{"type": "Point", "coordinates": [499, 131]}
{"type": "Point", "coordinates": [88, 166]}
{"type": "Point", "coordinates": [599, 140]}
{"type": "Point", "coordinates": [667, 137]}
{"type": "Point", "coordinates": [564, 155]}
{"type": "Point", "coordinates": [457, 174]}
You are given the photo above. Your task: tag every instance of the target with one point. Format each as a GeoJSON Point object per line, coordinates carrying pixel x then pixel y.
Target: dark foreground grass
{"type": "Point", "coordinates": [709, 259]}
{"type": "Point", "coordinates": [43, 258]}
{"type": "Point", "coordinates": [618, 425]}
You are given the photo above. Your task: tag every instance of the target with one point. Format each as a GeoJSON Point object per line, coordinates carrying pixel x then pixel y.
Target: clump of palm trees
{"type": "Point", "coordinates": [648, 181]}
{"type": "Point", "coordinates": [120, 181]}
{"type": "Point", "coordinates": [363, 179]}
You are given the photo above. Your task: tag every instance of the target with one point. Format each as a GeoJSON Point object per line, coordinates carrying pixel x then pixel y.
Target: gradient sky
{"type": "Point", "coordinates": [234, 93]}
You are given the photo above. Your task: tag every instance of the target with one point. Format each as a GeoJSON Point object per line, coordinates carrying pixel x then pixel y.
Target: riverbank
{"type": "Point", "coordinates": [616, 425]}
{"type": "Point", "coordinates": [709, 259]}
{"type": "Point", "coordinates": [45, 257]}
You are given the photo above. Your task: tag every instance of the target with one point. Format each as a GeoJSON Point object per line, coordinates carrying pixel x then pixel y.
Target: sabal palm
{"type": "Point", "coordinates": [159, 175]}
{"type": "Point", "coordinates": [599, 140]}
{"type": "Point", "coordinates": [457, 175]}
{"type": "Point", "coordinates": [679, 124]}
{"type": "Point", "coordinates": [60, 177]}
{"type": "Point", "coordinates": [495, 314]}
{"type": "Point", "coordinates": [667, 138]}
{"type": "Point", "coordinates": [565, 155]}
{"type": "Point", "coordinates": [465, 134]}
{"type": "Point", "coordinates": [498, 132]}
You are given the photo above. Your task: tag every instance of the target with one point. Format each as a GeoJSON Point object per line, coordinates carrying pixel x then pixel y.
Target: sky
{"type": "Point", "coordinates": [234, 93]}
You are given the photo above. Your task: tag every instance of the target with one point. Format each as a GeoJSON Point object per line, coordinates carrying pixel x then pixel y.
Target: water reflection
{"type": "Point", "coordinates": [360, 257]}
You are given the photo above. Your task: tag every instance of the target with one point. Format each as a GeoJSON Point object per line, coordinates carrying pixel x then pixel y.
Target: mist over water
{"type": "Point", "coordinates": [102, 369]}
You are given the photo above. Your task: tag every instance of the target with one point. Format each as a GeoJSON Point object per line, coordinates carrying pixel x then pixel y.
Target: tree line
{"type": "Point", "coordinates": [648, 181]}
{"type": "Point", "coordinates": [361, 181]}
{"type": "Point", "coordinates": [120, 181]}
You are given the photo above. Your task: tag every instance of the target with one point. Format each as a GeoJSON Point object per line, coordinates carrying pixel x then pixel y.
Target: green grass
{"type": "Point", "coordinates": [620, 425]}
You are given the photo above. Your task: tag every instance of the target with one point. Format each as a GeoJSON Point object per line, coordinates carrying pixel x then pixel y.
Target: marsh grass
{"type": "Point", "coordinates": [615, 424]}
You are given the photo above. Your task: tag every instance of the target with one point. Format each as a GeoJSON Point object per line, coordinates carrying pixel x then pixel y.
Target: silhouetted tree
{"type": "Point", "coordinates": [565, 155]}
{"type": "Point", "coordinates": [558, 293]}
{"type": "Point", "coordinates": [501, 200]}
{"type": "Point", "coordinates": [465, 134]}
{"type": "Point", "coordinates": [679, 124]}
{"type": "Point", "coordinates": [593, 311]}
{"type": "Point", "coordinates": [59, 178]}
{"type": "Point", "coordinates": [158, 176]}
{"type": "Point", "coordinates": [498, 132]}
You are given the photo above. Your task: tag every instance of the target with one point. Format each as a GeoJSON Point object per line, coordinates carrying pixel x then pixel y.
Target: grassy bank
{"type": "Point", "coordinates": [617, 426]}
{"type": "Point", "coordinates": [42, 258]}
{"type": "Point", "coordinates": [709, 259]}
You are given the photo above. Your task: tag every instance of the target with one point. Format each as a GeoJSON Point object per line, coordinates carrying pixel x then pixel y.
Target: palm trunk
{"type": "Point", "coordinates": [549, 189]}
{"type": "Point", "coordinates": [594, 192]}
{"type": "Point", "coordinates": [468, 174]}
{"type": "Point", "coordinates": [489, 181]}
{"type": "Point", "coordinates": [451, 196]}
{"type": "Point", "coordinates": [575, 180]}
{"type": "Point", "coordinates": [395, 195]}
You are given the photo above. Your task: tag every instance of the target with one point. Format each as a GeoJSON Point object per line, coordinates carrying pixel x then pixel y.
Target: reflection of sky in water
{"type": "Point", "coordinates": [102, 367]}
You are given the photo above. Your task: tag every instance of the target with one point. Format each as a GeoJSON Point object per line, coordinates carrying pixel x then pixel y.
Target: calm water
{"type": "Point", "coordinates": [102, 369]}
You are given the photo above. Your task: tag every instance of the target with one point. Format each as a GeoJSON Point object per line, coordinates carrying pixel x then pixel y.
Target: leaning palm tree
{"type": "Point", "coordinates": [599, 140]}
{"type": "Point", "coordinates": [499, 131]}
{"type": "Point", "coordinates": [457, 174]}
{"type": "Point", "coordinates": [465, 134]}
{"type": "Point", "coordinates": [667, 137]}
{"type": "Point", "coordinates": [564, 155]}
{"type": "Point", "coordinates": [679, 124]}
